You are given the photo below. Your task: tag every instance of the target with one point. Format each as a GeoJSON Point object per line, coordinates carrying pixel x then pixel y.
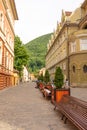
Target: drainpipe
{"type": "Point", "coordinates": [68, 60]}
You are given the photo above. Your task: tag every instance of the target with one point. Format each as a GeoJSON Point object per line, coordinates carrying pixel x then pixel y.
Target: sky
{"type": "Point", "coordinates": [40, 17]}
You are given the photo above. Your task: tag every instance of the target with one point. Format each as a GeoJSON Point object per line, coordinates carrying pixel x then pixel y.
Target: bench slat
{"type": "Point", "coordinates": [73, 109]}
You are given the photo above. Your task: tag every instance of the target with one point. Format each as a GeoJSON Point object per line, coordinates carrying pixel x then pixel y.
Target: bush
{"type": "Point", "coordinates": [40, 78]}
{"type": "Point", "coordinates": [59, 78]}
{"type": "Point", "coordinates": [47, 77]}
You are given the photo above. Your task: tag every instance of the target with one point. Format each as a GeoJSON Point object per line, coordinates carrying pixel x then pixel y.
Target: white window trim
{"type": "Point", "coordinates": [83, 44]}
{"type": "Point", "coordinates": [73, 47]}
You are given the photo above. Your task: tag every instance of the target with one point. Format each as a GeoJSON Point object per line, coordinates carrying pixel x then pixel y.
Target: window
{"type": "Point", "coordinates": [85, 68]}
{"type": "Point", "coordinates": [10, 17]}
{"type": "Point", "coordinates": [7, 60]}
{"type": "Point", "coordinates": [64, 66]}
{"type": "Point", "coordinates": [0, 52]}
{"type": "Point", "coordinates": [73, 68]}
{"type": "Point", "coordinates": [85, 27]}
{"type": "Point", "coordinates": [83, 44]}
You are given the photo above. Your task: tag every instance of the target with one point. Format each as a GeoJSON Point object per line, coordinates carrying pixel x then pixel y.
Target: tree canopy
{"type": "Point", "coordinates": [37, 49]}
{"type": "Point", "coordinates": [20, 55]}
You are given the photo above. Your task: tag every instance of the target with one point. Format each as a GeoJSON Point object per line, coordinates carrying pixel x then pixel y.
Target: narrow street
{"type": "Point", "coordinates": [24, 108]}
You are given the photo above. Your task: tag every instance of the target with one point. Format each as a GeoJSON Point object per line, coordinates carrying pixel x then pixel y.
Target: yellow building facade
{"type": "Point", "coordinates": [67, 47]}
{"type": "Point", "coordinates": [8, 15]}
{"type": "Point", "coordinates": [15, 78]}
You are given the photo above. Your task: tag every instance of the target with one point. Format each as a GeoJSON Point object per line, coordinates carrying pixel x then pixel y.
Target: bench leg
{"type": "Point", "coordinates": [55, 108]}
{"type": "Point", "coordinates": [43, 95]}
{"type": "Point", "coordinates": [62, 117]}
{"type": "Point", "coordinates": [65, 120]}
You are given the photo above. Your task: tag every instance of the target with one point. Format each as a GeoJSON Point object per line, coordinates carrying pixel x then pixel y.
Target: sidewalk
{"type": "Point", "coordinates": [24, 108]}
{"type": "Point", "coordinates": [80, 93]}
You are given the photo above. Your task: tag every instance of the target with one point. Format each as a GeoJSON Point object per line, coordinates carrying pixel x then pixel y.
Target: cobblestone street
{"type": "Point", "coordinates": [24, 108]}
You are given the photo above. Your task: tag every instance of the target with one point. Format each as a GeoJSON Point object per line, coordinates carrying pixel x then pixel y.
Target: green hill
{"type": "Point", "coordinates": [37, 49]}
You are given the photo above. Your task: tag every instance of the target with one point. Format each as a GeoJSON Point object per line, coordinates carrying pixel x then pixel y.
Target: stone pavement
{"type": "Point", "coordinates": [24, 108]}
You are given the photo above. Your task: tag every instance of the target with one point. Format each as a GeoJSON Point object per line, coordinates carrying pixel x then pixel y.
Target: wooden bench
{"type": "Point", "coordinates": [47, 91]}
{"type": "Point", "coordinates": [73, 109]}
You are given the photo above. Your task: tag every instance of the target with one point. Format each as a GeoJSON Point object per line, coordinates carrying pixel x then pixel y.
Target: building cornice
{"type": "Point", "coordinates": [13, 7]}
{"type": "Point", "coordinates": [84, 4]}
{"type": "Point", "coordinates": [5, 4]}
{"type": "Point", "coordinates": [65, 25]}
{"type": "Point", "coordinates": [81, 35]}
{"type": "Point", "coordinates": [78, 53]}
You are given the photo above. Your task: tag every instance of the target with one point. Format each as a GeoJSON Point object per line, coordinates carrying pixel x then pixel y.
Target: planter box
{"type": "Point", "coordinates": [41, 86]}
{"type": "Point", "coordinates": [60, 92]}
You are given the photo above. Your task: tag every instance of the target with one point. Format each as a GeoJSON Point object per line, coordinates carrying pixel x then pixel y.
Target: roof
{"type": "Point", "coordinates": [84, 4]}
{"type": "Point", "coordinates": [68, 13]}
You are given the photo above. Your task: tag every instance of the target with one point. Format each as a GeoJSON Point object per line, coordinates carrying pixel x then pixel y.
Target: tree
{"type": "Point", "coordinates": [20, 55]}
{"type": "Point", "coordinates": [40, 77]}
{"type": "Point", "coordinates": [59, 78]}
{"type": "Point", "coordinates": [47, 77]}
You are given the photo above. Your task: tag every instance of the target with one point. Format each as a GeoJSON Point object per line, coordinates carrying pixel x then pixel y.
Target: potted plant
{"type": "Point", "coordinates": [47, 77]}
{"type": "Point", "coordinates": [47, 89]}
{"type": "Point", "coordinates": [59, 82]}
{"type": "Point", "coordinates": [47, 80]}
{"type": "Point", "coordinates": [40, 79]}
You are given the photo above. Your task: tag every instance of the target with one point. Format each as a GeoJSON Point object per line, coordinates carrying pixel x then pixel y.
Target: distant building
{"type": "Point", "coordinates": [67, 47]}
{"type": "Point", "coordinates": [8, 15]}
{"type": "Point", "coordinates": [42, 71]}
{"type": "Point", "coordinates": [25, 76]}
{"type": "Point", "coordinates": [32, 77]}
{"type": "Point", "coordinates": [16, 77]}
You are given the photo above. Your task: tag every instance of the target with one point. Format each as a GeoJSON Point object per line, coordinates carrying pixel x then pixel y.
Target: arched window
{"type": "Point", "coordinates": [74, 68]}
{"type": "Point", "coordinates": [85, 68]}
{"type": "Point", "coordinates": [85, 27]}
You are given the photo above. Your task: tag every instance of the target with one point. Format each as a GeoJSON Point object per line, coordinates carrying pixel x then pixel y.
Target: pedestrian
{"type": "Point", "coordinates": [66, 83]}
{"type": "Point", "coordinates": [37, 84]}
